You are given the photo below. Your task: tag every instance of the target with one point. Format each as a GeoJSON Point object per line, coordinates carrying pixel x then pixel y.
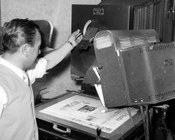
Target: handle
{"type": "Point", "coordinates": [68, 130]}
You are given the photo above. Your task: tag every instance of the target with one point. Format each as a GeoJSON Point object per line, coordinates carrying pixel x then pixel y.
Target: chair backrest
{"type": "Point", "coordinates": [46, 29]}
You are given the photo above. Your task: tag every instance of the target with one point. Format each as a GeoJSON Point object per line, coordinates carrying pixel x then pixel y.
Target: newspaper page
{"type": "Point", "coordinates": [89, 112]}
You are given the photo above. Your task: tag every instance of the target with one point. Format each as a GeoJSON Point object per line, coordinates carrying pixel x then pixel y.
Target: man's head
{"type": "Point", "coordinates": [21, 36]}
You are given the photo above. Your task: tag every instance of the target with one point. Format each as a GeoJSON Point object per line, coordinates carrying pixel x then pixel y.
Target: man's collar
{"type": "Point", "coordinates": [12, 67]}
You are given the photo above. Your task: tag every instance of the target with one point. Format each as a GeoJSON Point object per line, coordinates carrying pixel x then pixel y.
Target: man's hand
{"type": "Point", "coordinates": [75, 38]}
{"type": "Point", "coordinates": [56, 56]}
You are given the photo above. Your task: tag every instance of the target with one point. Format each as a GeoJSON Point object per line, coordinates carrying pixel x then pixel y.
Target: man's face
{"type": "Point", "coordinates": [34, 51]}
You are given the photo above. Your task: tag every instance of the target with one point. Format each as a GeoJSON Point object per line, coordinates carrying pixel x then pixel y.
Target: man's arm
{"type": "Point", "coordinates": [59, 54]}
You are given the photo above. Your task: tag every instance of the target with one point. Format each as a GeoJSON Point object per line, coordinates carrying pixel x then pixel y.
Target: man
{"type": "Point", "coordinates": [19, 67]}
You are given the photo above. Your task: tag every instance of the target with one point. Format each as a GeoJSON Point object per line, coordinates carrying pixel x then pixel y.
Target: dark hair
{"type": "Point", "coordinates": [18, 32]}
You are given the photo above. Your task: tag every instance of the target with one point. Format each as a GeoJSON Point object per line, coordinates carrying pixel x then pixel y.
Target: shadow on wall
{"type": "Point", "coordinates": [58, 79]}
{"type": "Point", "coordinates": [44, 82]}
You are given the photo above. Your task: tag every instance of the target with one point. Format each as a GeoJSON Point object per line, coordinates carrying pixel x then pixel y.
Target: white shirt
{"type": "Point", "coordinates": [37, 72]}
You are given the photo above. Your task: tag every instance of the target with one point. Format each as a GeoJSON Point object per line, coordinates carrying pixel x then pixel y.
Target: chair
{"type": "Point", "coordinates": [46, 29]}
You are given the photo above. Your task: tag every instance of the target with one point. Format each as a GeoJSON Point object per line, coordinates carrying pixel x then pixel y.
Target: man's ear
{"type": "Point", "coordinates": [25, 49]}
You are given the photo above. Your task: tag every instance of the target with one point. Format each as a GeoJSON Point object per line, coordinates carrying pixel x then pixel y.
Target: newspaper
{"type": "Point", "coordinates": [89, 112]}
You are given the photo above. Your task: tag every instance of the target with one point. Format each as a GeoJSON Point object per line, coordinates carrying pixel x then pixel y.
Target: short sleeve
{"type": "Point", "coordinates": [38, 71]}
